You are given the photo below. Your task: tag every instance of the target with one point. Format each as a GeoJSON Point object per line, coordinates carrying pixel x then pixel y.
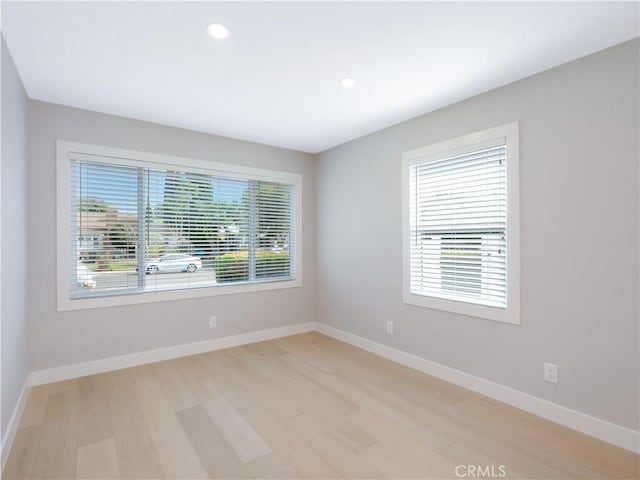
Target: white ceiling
{"type": "Point", "coordinates": [276, 78]}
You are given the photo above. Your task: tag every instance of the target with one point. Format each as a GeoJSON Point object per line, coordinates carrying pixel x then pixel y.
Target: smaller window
{"type": "Point", "coordinates": [460, 225]}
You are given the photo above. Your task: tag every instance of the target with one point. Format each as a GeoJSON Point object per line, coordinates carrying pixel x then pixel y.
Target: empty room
{"type": "Point", "coordinates": [320, 240]}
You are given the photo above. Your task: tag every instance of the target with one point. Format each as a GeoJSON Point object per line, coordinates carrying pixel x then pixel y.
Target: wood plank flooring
{"type": "Point", "coordinates": [305, 406]}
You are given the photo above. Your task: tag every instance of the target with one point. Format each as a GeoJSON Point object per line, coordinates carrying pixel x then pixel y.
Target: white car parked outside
{"type": "Point", "coordinates": [173, 262]}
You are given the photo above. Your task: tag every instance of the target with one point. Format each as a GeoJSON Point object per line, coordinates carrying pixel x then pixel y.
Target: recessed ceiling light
{"type": "Point", "coordinates": [217, 30]}
{"type": "Point", "coordinates": [348, 82]}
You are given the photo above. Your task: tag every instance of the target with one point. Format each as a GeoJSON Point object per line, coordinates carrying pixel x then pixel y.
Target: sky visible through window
{"type": "Point", "coordinates": [109, 181]}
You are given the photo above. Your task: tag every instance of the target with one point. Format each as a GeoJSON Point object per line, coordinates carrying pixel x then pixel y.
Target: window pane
{"type": "Point", "coordinates": [274, 221]}
{"type": "Point", "coordinates": [458, 227]}
{"type": "Point", "coordinates": [191, 220]}
{"type": "Point", "coordinates": [231, 250]}
{"type": "Point", "coordinates": [104, 228]}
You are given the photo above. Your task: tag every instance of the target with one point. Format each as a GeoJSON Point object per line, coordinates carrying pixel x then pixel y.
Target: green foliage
{"type": "Point", "coordinates": [107, 264]}
{"type": "Point", "coordinates": [149, 212]}
{"type": "Point", "coordinates": [123, 236]}
{"type": "Point", "coordinates": [272, 264]}
{"type": "Point", "coordinates": [155, 245]}
{"type": "Point", "coordinates": [206, 225]}
{"type": "Point", "coordinates": [459, 253]}
{"type": "Point", "coordinates": [234, 266]}
{"type": "Point", "coordinates": [273, 201]}
{"type": "Point", "coordinates": [192, 213]}
{"type": "Point", "coordinates": [93, 205]}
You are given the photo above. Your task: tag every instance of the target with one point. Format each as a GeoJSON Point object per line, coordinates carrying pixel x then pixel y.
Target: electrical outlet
{"type": "Point", "coordinates": [390, 328]}
{"type": "Point", "coordinates": [213, 321]}
{"type": "Point", "coordinates": [550, 372]}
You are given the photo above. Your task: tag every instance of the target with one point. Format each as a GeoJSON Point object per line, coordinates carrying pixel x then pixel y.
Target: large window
{"type": "Point", "coordinates": [460, 206]}
{"type": "Point", "coordinates": [137, 227]}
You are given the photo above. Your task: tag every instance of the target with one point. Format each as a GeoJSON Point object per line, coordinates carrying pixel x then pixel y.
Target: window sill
{"type": "Point", "coordinates": [505, 315]}
{"type": "Point", "coordinates": [66, 304]}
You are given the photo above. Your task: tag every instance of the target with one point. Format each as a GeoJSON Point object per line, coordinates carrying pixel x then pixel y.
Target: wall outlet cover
{"type": "Point", "coordinates": [550, 372]}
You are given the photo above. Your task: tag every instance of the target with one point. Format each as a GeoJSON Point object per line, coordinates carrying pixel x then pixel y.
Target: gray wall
{"type": "Point", "coordinates": [579, 216]}
{"type": "Point", "coordinates": [15, 365]}
{"type": "Point", "coordinates": [70, 337]}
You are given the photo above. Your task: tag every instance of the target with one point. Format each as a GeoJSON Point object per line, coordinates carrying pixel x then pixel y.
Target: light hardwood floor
{"type": "Point", "coordinates": [305, 406]}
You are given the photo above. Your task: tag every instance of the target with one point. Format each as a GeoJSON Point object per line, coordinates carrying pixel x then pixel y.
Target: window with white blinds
{"type": "Point", "coordinates": [461, 237]}
{"type": "Point", "coordinates": [135, 226]}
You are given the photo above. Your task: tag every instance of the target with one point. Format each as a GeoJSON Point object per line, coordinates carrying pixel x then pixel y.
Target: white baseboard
{"type": "Point", "coordinates": [592, 426]}
{"type": "Point", "coordinates": [595, 427]}
{"type": "Point", "coordinates": [67, 372]}
{"type": "Point", "coordinates": [14, 421]}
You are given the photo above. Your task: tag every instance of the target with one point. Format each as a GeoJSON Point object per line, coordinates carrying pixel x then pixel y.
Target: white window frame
{"type": "Point", "coordinates": [510, 314]}
{"type": "Point", "coordinates": [68, 150]}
